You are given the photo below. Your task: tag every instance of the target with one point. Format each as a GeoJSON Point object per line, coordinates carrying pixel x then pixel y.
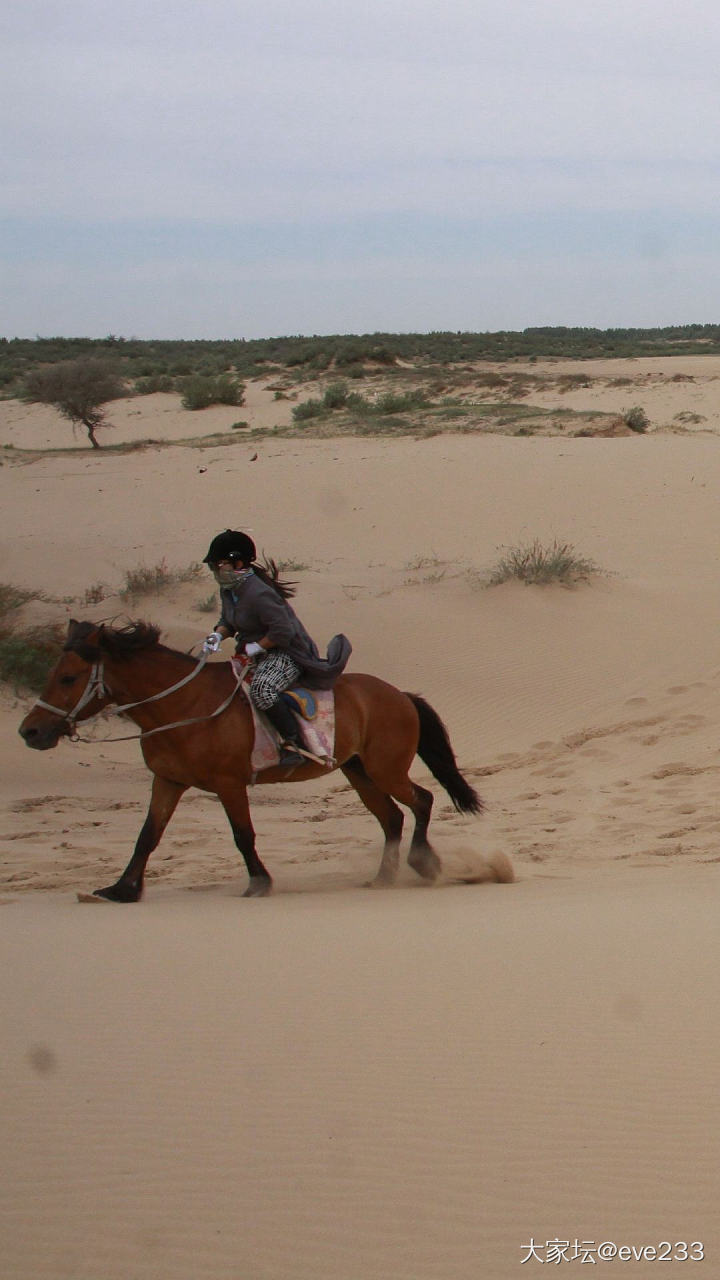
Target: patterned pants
{"type": "Point", "coordinates": [272, 675]}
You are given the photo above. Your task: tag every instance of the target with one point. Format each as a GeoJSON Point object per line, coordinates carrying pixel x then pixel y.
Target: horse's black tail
{"type": "Point", "coordinates": [436, 752]}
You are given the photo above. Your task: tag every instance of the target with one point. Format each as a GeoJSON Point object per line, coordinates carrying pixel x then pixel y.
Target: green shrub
{"type": "Point", "coordinates": [202, 390]}
{"type": "Point", "coordinates": [27, 657]}
{"type": "Point", "coordinates": [359, 404]}
{"type": "Point", "coordinates": [154, 382]}
{"type": "Point", "coordinates": [536, 564]}
{"type": "Point", "coordinates": [308, 409]}
{"type": "Point", "coordinates": [391, 402]}
{"type": "Point", "coordinates": [11, 598]}
{"type": "Point", "coordinates": [636, 419]}
{"type": "Point", "coordinates": [336, 396]}
{"type": "Point", "coordinates": [228, 390]}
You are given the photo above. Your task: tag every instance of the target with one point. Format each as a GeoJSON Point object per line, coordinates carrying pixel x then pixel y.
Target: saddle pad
{"type": "Point", "coordinates": [317, 735]}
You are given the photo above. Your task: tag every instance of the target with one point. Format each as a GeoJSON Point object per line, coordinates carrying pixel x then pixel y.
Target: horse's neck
{"type": "Point", "coordinates": [144, 675]}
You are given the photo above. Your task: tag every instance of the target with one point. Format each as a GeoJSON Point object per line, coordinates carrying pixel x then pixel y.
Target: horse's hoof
{"type": "Point", "coordinates": [259, 887]}
{"type": "Point", "coordinates": [380, 882]}
{"type": "Point", "coordinates": [114, 893]}
{"type": "Point", "coordinates": [426, 863]}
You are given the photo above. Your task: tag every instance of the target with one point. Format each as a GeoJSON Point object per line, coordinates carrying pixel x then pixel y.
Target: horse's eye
{"type": "Point", "coordinates": [68, 679]}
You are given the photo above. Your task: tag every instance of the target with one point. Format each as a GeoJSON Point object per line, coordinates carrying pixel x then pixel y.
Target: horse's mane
{"type": "Point", "coordinates": [118, 642]}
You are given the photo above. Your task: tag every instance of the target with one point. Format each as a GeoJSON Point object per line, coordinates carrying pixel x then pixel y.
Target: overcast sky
{"type": "Point", "coordinates": [220, 168]}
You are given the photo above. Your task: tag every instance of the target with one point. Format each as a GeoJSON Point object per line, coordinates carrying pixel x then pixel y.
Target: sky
{"type": "Point", "coordinates": [226, 169]}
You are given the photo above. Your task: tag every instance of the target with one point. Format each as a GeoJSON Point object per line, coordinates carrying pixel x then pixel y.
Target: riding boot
{"type": "Point", "coordinates": [285, 724]}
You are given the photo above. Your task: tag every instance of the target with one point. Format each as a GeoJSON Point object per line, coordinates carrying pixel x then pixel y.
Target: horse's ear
{"type": "Point", "coordinates": [82, 639]}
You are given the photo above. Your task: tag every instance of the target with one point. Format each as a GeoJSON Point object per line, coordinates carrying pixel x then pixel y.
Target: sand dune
{"type": "Point", "coordinates": [416, 1083]}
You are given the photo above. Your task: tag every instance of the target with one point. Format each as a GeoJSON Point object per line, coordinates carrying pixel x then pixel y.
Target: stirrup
{"type": "Point", "coordinates": [290, 757]}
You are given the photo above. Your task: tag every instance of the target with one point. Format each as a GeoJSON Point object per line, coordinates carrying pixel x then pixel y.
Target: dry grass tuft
{"type": "Point", "coordinates": [535, 564]}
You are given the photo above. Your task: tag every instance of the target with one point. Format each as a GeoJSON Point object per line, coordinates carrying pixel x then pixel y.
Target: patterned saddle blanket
{"type": "Point", "coordinates": [314, 710]}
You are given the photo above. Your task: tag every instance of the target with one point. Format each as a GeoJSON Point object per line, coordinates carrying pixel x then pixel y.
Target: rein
{"type": "Point", "coordinates": [96, 687]}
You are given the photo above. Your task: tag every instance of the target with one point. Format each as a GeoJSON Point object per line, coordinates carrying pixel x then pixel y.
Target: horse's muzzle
{"type": "Point", "coordinates": [42, 735]}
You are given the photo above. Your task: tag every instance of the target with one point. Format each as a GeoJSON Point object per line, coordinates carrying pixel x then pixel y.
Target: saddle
{"type": "Point", "coordinates": [302, 701]}
{"type": "Point", "coordinates": [314, 711]}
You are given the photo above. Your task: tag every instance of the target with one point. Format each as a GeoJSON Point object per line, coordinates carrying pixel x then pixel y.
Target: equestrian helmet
{"type": "Point", "coordinates": [231, 545]}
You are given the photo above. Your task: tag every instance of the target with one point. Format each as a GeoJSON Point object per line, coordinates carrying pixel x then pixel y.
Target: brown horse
{"type": "Point", "coordinates": [379, 730]}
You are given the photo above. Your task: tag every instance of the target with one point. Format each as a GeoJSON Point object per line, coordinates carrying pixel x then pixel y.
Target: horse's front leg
{"type": "Point", "coordinates": [235, 803]}
{"type": "Point", "coordinates": [163, 802]}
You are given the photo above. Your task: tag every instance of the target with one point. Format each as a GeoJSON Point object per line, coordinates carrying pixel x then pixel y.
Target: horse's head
{"type": "Point", "coordinates": [73, 692]}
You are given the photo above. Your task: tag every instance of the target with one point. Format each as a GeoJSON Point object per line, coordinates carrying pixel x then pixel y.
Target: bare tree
{"type": "Point", "coordinates": [77, 389]}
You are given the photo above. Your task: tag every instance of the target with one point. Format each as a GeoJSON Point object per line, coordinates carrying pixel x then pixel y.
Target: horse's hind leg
{"type": "Point", "coordinates": [422, 857]}
{"type": "Point", "coordinates": [163, 802]}
{"type": "Point", "coordinates": [394, 781]}
{"type": "Point", "coordinates": [387, 814]}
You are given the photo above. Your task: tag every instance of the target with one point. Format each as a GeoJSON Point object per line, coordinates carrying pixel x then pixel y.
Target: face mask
{"type": "Point", "coordinates": [231, 577]}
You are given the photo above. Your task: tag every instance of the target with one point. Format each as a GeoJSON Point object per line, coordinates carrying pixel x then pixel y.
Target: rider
{"type": "Point", "coordinates": [255, 609]}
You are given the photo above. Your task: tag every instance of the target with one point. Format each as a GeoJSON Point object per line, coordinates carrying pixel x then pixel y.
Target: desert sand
{"type": "Point", "coordinates": [420, 1083]}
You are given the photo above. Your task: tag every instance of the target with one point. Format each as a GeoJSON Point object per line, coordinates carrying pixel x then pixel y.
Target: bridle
{"type": "Point", "coordinates": [96, 687]}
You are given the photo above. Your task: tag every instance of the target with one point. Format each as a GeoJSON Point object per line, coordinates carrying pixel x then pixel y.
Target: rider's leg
{"type": "Point", "coordinates": [272, 675]}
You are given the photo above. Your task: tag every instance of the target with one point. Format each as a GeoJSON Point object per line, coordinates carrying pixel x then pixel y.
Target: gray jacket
{"type": "Point", "coordinates": [254, 610]}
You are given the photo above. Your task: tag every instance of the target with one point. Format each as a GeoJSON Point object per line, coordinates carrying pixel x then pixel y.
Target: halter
{"type": "Point", "coordinates": [96, 687]}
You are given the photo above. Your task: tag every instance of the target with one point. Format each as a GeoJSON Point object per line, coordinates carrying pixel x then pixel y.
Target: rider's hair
{"type": "Point", "coordinates": [269, 573]}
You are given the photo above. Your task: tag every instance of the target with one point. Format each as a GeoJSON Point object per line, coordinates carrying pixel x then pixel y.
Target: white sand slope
{"type": "Point", "coordinates": [416, 1083]}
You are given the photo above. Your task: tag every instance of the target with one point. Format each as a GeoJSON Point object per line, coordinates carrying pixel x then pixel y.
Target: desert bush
{"type": "Point", "coordinates": [228, 390]}
{"type": "Point", "coordinates": [154, 382]}
{"type": "Point", "coordinates": [152, 580]}
{"type": "Point", "coordinates": [96, 593]}
{"type": "Point", "coordinates": [336, 396]}
{"type": "Point", "coordinates": [491, 379]}
{"type": "Point", "coordinates": [198, 392]}
{"type": "Point", "coordinates": [28, 656]}
{"type": "Point", "coordinates": [391, 402]}
{"type": "Point", "coordinates": [636, 419]}
{"type": "Point", "coordinates": [11, 598]}
{"type": "Point", "coordinates": [535, 564]}
{"type": "Point", "coordinates": [202, 390]}
{"type": "Point", "coordinates": [208, 605]}
{"type": "Point", "coordinates": [308, 409]}
{"type": "Point", "coordinates": [688, 416]}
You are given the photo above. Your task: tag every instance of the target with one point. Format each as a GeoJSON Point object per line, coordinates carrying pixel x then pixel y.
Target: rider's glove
{"type": "Point", "coordinates": [254, 650]}
{"type": "Point", "coordinates": [212, 642]}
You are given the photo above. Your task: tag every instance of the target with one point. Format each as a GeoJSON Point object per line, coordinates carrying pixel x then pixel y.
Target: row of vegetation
{"type": "Point", "coordinates": [157, 364]}
{"type": "Point", "coordinates": [28, 653]}
{"type": "Point", "coordinates": [79, 389]}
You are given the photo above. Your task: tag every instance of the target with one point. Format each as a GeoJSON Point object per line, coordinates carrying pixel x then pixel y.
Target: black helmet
{"type": "Point", "coordinates": [231, 545]}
